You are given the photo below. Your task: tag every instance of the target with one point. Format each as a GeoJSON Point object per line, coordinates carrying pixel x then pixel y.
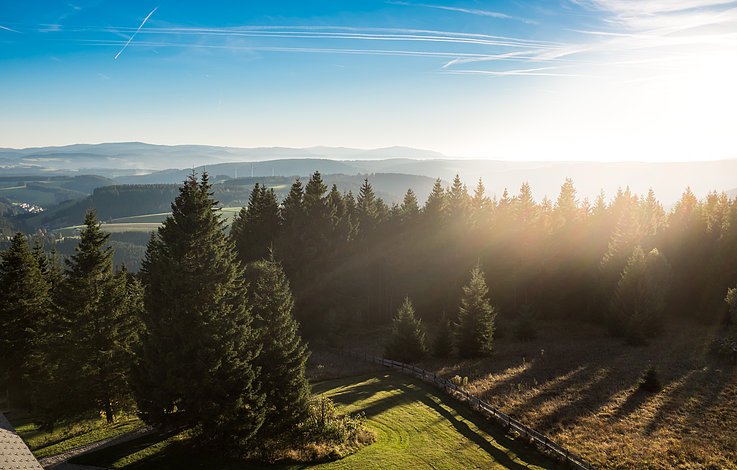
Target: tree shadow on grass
{"type": "Point", "coordinates": [107, 456]}
{"type": "Point", "coordinates": [462, 427]}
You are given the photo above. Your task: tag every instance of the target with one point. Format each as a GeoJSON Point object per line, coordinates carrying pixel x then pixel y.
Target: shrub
{"type": "Point", "coordinates": [649, 381]}
{"type": "Point", "coordinates": [324, 424]}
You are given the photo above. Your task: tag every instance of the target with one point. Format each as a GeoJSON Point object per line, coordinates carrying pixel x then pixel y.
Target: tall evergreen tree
{"type": "Point", "coordinates": [284, 355]}
{"type": "Point", "coordinates": [256, 226]}
{"type": "Point", "coordinates": [639, 299]}
{"type": "Point", "coordinates": [341, 222]}
{"type": "Point", "coordinates": [196, 365]}
{"type": "Point", "coordinates": [366, 209]}
{"type": "Point", "coordinates": [436, 204]}
{"type": "Point", "coordinates": [101, 327]}
{"type": "Point", "coordinates": [319, 219]}
{"type": "Point", "coordinates": [409, 208]}
{"type": "Point", "coordinates": [567, 207]}
{"type": "Point", "coordinates": [408, 339]}
{"type": "Point", "coordinates": [293, 221]}
{"type": "Point", "coordinates": [475, 330]}
{"type": "Point", "coordinates": [24, 306]}
{"type": "Point", "coordinates": [458, 199]}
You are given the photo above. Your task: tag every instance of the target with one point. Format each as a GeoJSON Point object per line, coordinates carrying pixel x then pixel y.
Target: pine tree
{"type": "Point", "coordinates": [639, 299]}
{"type": "Point", "coordinates": [524, 206]}
{"type": "Point", "coordinates": [293, 221]}
{"type": "Point", "coordinates": [482, 207]}
{"type": "Point", "coordinates": [408, 340]}
{"type": "Point", "coordinates": [283, 358]}
{"type": "Point", "coordinates": [436, 204]}
{"type": "Point", "coordinates": [475, 331]}
{"type": "Point", "coordinates": [319, 219]}
{"type": "Point", "coordinates": [409, 208]}
{"type": "Point", "coordinates": [24, 306]}
{"type": "Point", "coordinates": [101, 328]}
{"type": "Point", "coordinates": [256, 226]}
{"type": "Point", "coordinates": [196, 367]}
{"type": "Point", "coordinates": [341, 218]}
{"type": "Point", "coordinates": [458, 199]}
{"type": "Point", "coordinates": [566, 207]}
{"type": "Point", "coordinates": [366, 210]}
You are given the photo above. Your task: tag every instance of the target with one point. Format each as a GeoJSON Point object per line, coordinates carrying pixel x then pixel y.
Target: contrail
{"type": "Point", "coordinates": [134, 34]}
{"type": "Point", "coordinates": [5, 28]}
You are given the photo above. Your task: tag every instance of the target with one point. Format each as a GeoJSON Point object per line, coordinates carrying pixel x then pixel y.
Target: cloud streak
{"type": "Point", "coordinates": [134, 34]}
{"type": "Point", "coordinates": [469, 11]}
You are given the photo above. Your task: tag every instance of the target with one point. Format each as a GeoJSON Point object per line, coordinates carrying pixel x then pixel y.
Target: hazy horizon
{"type": "Point", "coordinates": [439, 156]}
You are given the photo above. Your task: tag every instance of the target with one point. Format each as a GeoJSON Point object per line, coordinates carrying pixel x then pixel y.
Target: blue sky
{"type": "Point", "coordinates": [540, 80]}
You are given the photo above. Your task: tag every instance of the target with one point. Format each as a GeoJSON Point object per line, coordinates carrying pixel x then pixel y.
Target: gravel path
{"type": "Point", "coordinates": [59, 462]}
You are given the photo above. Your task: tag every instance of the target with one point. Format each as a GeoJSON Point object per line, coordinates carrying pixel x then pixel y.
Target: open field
{"type": "Point", "coordinates": [141, 223]}
{"type": "Point", "coordinates": [415, 426]}
{"type": "Point", "coordinates": [580, 387]}
{"type": "Point", "coordinates": [111, 228]}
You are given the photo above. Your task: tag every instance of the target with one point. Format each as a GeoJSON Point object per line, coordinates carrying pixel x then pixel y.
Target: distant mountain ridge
{"type": "Point", "coordinates": [142, 156]}
{"type": "Point", "coordinates": [140, 163]}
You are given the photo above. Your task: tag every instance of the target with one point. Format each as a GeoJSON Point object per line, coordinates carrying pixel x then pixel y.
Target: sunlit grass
{"type": "Point", "coordinates": [415, 427]}
{"type": "Point", "coordinates": [579, 386]}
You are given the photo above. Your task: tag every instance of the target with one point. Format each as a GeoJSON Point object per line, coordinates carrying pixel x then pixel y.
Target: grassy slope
{"type": "Point", "coordinates": [415, 428]}
{"type": "Point", "coordinates": [582, 392]}
{"type": "Point", "coordinates": [142, 223]}
{"type": "Point", "coordinates": [66, 437]}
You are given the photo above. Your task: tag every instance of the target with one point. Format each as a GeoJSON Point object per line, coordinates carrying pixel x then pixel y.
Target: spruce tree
{"type": "Point", "coordinates": [436, 204]}
{"type": "Point", "coordinates": [293, 222]}
{"type": "Point", "coordinates": [409, 208]}
{"type": "Point", "coordinates": [256, 226]}
{"type": "Point", "coordinates": [319, 219]}
{"type": "Point", "coordinates": [284, 355]}
{"type": "Point", "coordinates": [24, 306]}
{"type": "Point", "coordinates": [366, 210]}
{"type": "Point", "coordinates": [101, 328]}
{"type": "Point", "coordinates": [639, 299]}
{"type": "Point", "coordinates": [475, 330]}
{"type": "Point", "coordinates": [196, 364]}
{"type": "Point", "coordinates": [481, 206]}
{"type": "Point", "coordinates": [408, 339]}
{"type": "Point", "coordinates": [458, 199]}
{"type": "Point", "coordinates": [567, 207]}
{"type": "Point", "coordinates": [341, 218]}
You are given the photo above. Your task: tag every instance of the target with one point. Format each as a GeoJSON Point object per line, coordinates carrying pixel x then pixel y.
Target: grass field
{"type": "Point", "coordinates": [580, 387]}
{"type": "Point", "coordinates": [415, 427]}
{"type": "Point", "coordinates": [65, 437]}
{"type": "Point", "coordinates": [141, 223]}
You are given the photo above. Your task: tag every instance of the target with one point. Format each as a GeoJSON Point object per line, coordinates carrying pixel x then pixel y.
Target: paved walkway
{"type": "Point", "coordinates": [59, 462]}
{"type": "Point", "coordinates": [14, 453]}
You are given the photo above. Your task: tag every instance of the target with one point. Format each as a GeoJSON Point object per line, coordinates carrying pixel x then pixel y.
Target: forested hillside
{"type": "Point", "coordinates": [355, 264]}
{"type": "Point", "coordinates": [355, 258]}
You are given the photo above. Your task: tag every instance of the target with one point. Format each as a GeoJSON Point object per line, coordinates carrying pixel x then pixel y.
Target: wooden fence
{"type": "Point", "coordinates": [488, 411]}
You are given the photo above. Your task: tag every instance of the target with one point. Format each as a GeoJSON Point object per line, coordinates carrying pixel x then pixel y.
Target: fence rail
{"type": "Point", "coordinates": [479, 405]}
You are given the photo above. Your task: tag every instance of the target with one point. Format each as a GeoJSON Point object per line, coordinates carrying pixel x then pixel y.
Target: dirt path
{"type": "Point", "coordinates": [59, 462]}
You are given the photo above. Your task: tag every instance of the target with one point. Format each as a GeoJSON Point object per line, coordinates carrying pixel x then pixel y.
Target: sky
{"type": "Point", "coordinates": [595, 80]}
